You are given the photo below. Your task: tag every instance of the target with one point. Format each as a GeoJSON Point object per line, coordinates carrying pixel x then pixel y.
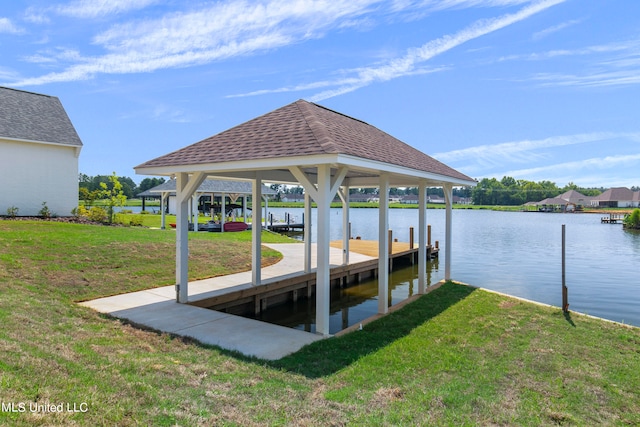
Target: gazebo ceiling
{"type": "Point", "coordinates": [306, 135]}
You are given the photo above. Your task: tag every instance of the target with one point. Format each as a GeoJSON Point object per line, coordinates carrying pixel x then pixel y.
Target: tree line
{"type": "Point", "coordinates": [513, 192]}
{"type": "Point", "coordinates": [130, 189]}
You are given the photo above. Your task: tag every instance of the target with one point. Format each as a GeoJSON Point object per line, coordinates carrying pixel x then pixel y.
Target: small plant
{"type": "Point", "coordinates": [633, 220]}
{"type": "Point", "coordinates": [12, 211]}
{"type": "Point", "coordinates": [45, 212]}
{"type": "Point", "coordinates": [136, 221]}
{"type": "Point", "coordinates": [97, 214]}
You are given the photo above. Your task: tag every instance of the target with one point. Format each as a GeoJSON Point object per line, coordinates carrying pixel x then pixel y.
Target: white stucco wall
{"type": "Point", "coordinates": [32, 173]}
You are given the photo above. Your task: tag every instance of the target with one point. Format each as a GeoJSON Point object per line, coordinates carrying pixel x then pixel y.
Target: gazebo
{"type": "Point", "coordinates": [325, 152]}
{"type": "Point", "coordinates": [224, 188]}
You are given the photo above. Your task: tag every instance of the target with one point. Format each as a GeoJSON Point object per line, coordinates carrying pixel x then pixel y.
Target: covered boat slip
{"type": "Point", "coordinates": [325, 152]}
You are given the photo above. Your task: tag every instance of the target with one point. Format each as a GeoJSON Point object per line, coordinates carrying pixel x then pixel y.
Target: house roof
{"type": "Point", "coordinates": [207, 186]}
{"type": "Point", "coordinates": [553, 201]}
{"type": "Point", "coordinates": [29, 116]}
{"type": "Point", "coordinates": [573, 196]}
{"type": "Point", "coordinates": [616, 194]}
{"type": "Point", "coordinates": [302, 130]}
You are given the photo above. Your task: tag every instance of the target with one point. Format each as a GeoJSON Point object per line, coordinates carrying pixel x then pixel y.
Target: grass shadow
{"type": "Point", "coordinates": [325, 357]}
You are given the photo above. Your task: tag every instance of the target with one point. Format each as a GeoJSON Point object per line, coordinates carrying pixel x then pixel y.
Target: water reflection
{"type": "Point", "coordinates": [519, 253]}
{"type": "Point", "coordinates": [351, 305]}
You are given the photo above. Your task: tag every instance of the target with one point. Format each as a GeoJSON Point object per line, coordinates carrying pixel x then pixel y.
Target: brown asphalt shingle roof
{"type": "Point", "coordinates": [615, 194]}
{"type": "Point", "coordinates": [303, 129]}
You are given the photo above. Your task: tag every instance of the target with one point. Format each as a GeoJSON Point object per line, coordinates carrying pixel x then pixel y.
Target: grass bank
{"type": "Point", "coordinates": [457, 356]}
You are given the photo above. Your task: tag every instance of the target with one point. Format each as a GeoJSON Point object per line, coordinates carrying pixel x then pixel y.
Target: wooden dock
{"type": "Point", "coordinates": [370, 248]}
{"type": "Point", "coordinates": [613, 218]}
{"type": "Point", "coordinates": [302, 285]}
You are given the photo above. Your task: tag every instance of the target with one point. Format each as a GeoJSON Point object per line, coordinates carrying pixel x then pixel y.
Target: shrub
{"type": "Point", "coordinates": [633, 220]}
{"type": "Point", "coordinates": [97, 214]}
{"type": "Point", "coordinates": [12, 211]}
{"type": "Point", "coordinates": [136, 221]}
{"type": "Point", "coordinates": [45, 212]}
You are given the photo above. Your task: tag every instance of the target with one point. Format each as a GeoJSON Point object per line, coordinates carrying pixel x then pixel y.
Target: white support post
{"type": "Point", "coordinates": [307, 233]}
{"type": "Point", "coordinates": [344, 197]}
{"type": "Point", "coordinates": [194, 209]}
{"type": "Point", "coordinates": [163, 208]}
{"type": "Point", "coordinates": [323, 276]}
{"type": "Point", "coordinates": [383, 245]}
{"type": "Point", "coordinates": [256, 231]}
{"type": "Point", "coordinates": [185, 188]}
{"type": "Point", "coordinates": [448, 198]}
{"type": "Point", "coordinates": [422, 237]}
{"type": "Point", "coordinates": [223, 211]}
{"type": "Point", "coordinates": [244, 207]}
{"type": "Point", "coordinates": [266, 208]}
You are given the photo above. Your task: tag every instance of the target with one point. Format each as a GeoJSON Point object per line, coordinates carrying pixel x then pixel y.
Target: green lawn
{"type": "Point", "coordinates": [458, 356]}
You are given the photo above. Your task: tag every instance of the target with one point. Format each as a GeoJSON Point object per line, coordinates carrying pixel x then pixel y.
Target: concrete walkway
{"type": "Point", "coordinates": [157, 309]}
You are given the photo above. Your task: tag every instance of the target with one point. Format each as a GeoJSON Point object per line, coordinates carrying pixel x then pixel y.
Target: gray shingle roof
{"type": "Point", "coordinates": [208, 186]}
{"type": "Point", "coordinates": [615, 194]}
{"type": "Point", "coordinates": [35, 117]}
{"type": "Point", "coordinates": [303, 129]}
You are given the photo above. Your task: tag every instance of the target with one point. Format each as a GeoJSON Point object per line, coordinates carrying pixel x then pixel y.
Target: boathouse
{"type": "Point", "coordinates": [325, 152]}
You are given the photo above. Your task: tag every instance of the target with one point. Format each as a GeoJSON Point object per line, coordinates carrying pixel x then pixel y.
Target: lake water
{"type": "Point", "coordinates": [519, 253]}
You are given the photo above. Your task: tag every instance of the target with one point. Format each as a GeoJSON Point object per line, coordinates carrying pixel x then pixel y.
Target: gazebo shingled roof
{"type": "Point", "coordinates": [303, 129]}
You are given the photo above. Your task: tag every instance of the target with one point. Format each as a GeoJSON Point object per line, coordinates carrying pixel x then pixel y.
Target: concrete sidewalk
{"type": "Point", "coordinates": [157, 309]}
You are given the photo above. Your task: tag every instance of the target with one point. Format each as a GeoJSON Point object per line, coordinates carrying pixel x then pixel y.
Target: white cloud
{"type": "Point", "coordinates": [524, 151]}
{"type": "Point", "coordinates": [6, 26]}
{"type": "Point", "coordinates": [96, 8]}
{"type": "Point", "coordinates": [610, 163]}
{"type": "Point", "coordinates": [220, 31]}
{"type": "Point", "coordinates": [547, 31]}
{"type": "Point", "coordinates": [409, 63]}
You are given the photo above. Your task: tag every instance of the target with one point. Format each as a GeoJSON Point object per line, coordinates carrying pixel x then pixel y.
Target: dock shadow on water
{"type": "Point", "coordinates": [350, 305]}
{"type": "Point", "coordinates": [325, 357]}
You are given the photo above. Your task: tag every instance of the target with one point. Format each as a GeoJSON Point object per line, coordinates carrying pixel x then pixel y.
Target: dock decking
{"type": "Point", "coordinates": [613, 218]}
{"type": "Point", "coordinates": [370, 248]}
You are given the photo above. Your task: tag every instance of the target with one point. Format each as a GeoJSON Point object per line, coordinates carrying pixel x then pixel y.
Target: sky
{"type": "Point", "coordinates": [531, 89]}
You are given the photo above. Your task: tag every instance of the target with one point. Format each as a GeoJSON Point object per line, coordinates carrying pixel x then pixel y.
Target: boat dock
{"type": "Point", "coordinates": [289, 224]}
{"type": "Point", "coordinates": [302, 285]}
{"type": "Point", "coordinates": [613, 218]}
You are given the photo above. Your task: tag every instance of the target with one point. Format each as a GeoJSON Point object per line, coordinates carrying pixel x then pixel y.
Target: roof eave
{"type": "Point", "coordinates": [245, 169]}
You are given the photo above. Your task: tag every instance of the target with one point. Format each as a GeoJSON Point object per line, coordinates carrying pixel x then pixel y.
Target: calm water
{"type": "Point", "coordinates": [518, 253]}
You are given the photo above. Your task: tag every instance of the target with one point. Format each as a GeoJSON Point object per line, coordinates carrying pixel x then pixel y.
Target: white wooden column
{"type": "Point", "coordinates": [163, 206]}
{"type": "Point", "coordinates": [323, 276]}
{"type": "Point", "coordinates": [344, 197]}
{"type": "Point", "coordinates": [383, 245]}
{"type": "Point", "coordinates": [307, 232]}
{"type": "Point", "coordinates": [422, 237]}
{"type": "Point", "coordinates": [194, 210]}
{"type": "Point", "coordinates": [244, 207]}
{"type": "Point", "coordinates": [223, 211]}
{"type": "Point", "coordinates": [185, 187]}
{"type": "Point", "coordinates": [256, 230]}
{"type": "Point", "coordinates": [448, 199]}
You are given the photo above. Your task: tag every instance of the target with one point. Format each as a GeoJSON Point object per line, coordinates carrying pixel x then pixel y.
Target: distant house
{"type": "Point", "coordinates": [292, 197]}
{"type": "Point", "coordinates": [568, 201]}
{"type": "Point", "coordinates": [576, 198]}
{"type": "Point", "coordinates": [619, 197]}
{"type": "Point", "coordinates": [39, 154]}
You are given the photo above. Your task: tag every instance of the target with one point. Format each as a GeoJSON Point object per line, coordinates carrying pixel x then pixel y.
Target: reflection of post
{"type": "Point", "coordinates": [345, 318]}
{"type": "Point", "coordinates": [565, 302]}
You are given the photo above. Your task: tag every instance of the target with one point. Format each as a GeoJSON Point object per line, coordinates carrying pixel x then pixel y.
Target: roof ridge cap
{"type": "Point", "coordinates": [320, 132]}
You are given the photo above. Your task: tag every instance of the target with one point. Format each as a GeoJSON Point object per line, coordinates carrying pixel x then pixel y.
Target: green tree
{"type": "Point", "coordinates": [148, 183]}
{"type": "Point", "coordinates": [114, 195]}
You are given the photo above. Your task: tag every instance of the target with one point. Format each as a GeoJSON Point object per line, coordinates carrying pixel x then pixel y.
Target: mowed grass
{"type": "Point", "coordinates": [457, 356]}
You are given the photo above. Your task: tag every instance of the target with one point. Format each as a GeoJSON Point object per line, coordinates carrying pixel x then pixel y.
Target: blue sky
{"type": "Point", "coordinates": [536, 90]}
